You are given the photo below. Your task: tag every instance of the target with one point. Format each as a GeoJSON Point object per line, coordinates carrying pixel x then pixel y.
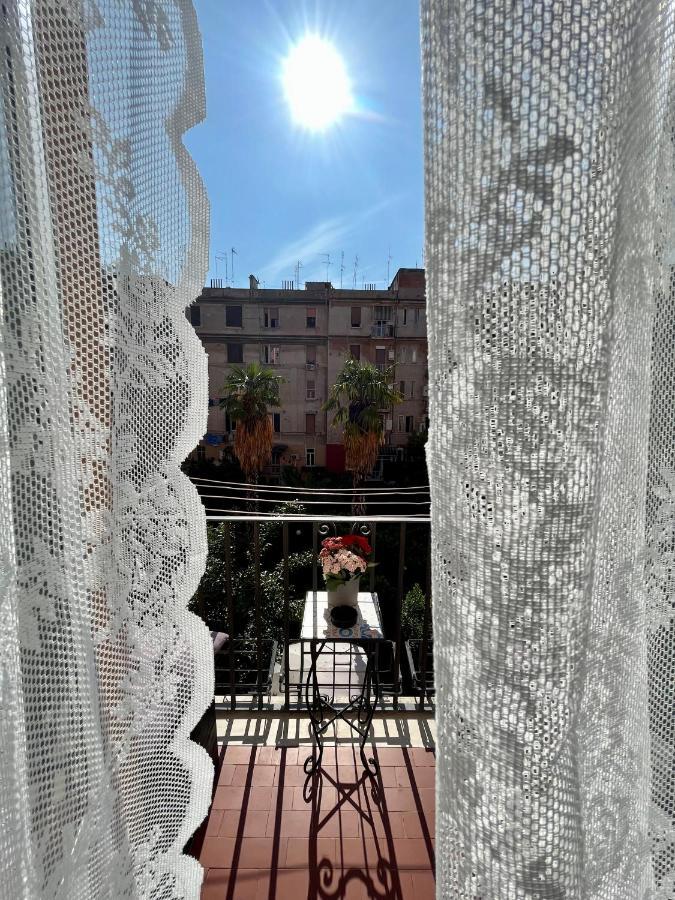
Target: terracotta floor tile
{"type": "Point", "coordinates": [292, 776]}
{"type": "Point", "coordinates": [267, 756]}
{"type": "Point", "coordinates": [301, 851]}
{"type": "Point", "coordinates": [418, 885]}
{"type": "Point", "coordinates": [345, 823]}
{"type": "Point", "coordinates": [415, 826]}
{"type": "Point", "coordinates": [412, 853]}
{"type": "Point", "coordinates": [387, 775]}
{"type": "Point", "coordinates": [228, 797]}
{"type": "Point", "coordinates": [226, 774]}
{"type": "Point", "coordinates": [213, 825]}
{"type": "Point", "coordinates": [389, 756]}
{"type": "Point", "coordinates": [294, 823]}
{"type": "Point", "coordinates": [423, 777]}
{"type": "Point", "coordinates": [262, 798]}
{"type": "Point", "coordinates": [257, 853]}
{"type": "Point", "coordinates": [238, 755]}
{"type": "Point", "coordinates": [217, 852]}
{"type": "Point", "coordinates": [391, 824]}
{"type": "Point", "coordinates": [400, 800]}
{"type": "Point", "coordinates": [252, 824]}
{"type": "Point", "coordinates": [288, 795]}
{"type": "Point", "coordinates": [290, 884]}
{"type": "Point", "coordinates": [289, 755]}
{"type": "Point", "coordinates": [258, 775]}
{"type": "Point", "coordinates": [217, 881]}
{"type": "Point", "coordinates": [427, 797]}
{"type": "Point", "coordinates": [422, 757]}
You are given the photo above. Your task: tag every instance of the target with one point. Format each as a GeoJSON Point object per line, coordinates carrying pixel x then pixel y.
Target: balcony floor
{"type": "Point", "coordinates": [275, 833]}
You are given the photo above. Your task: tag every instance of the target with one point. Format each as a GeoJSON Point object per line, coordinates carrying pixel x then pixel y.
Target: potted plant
{"type": "Point", "coordinates": [343, 561]}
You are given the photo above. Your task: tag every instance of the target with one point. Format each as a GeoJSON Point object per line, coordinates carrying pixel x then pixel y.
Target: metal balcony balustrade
{"type": "Point", "coordinates": [253, 668]}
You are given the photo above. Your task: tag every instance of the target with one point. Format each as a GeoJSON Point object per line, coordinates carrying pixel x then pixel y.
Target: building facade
{"type": "Point", "coordinates": [306, 336]}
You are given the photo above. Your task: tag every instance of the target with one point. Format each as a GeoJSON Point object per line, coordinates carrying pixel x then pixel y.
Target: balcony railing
{"type": "Point", "coordinates": [383, 330]}
{"type": "Point", "coordinates": [262, 565]}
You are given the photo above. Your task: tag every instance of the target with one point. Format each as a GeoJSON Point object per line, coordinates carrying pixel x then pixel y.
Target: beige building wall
{"type": "Point", "coordinates": [306, 336]}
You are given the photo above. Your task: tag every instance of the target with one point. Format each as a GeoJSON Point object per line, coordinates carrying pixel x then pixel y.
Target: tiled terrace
{"type": "Point", "coordinates": [275, 833]}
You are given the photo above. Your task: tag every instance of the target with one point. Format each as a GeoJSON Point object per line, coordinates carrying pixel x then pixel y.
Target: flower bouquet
{"type": "Point", "coordinates": [344, 560]}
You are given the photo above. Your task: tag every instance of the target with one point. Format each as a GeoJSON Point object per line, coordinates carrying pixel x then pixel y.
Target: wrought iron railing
{"type": "Point", "coordinates": [253, 668]}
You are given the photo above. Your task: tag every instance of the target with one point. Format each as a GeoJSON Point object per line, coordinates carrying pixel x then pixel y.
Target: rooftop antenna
{"type": "Point", "coordinates": [326, 262]}
{"type": "Point", "coordinates": [298, 266]}
{"type": "Point", "coordinates": [220, 256]}
{"type": "Point", "coordinates": [234, 253]}
{"type": "Point", "coordinates": [388, 264]}
{"type": "Point", "coordinates": [356, 270]}
{"type": "Point", "coordinates": [342, 266]}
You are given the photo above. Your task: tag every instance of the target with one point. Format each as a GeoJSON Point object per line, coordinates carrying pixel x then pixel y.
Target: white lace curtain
{"type": "Point", "coordinates": [549, 131]}
{"type": "Point", "coordinates": [103, 393]}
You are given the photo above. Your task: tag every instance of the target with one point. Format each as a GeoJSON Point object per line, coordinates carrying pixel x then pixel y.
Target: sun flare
{"type": "Point", "coordinates": [316, 85]}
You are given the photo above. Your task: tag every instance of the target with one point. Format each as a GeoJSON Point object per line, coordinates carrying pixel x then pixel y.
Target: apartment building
{"type": "Point", "coordinates": [306, 335]}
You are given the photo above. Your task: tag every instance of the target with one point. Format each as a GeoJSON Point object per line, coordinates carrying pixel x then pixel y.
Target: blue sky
{"type": "Point", "coordinates": [280, 194]}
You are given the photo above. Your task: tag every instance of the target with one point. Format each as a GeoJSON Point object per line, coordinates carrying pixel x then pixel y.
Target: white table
{"type": "Point", "coordinates": [346, 669]}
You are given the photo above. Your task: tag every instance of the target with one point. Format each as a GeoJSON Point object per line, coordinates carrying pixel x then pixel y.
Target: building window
{"type": "Point", "coordinates": [195, 315]}
{"type": "Point", "coordinates": [356, 316]}
{"type": "Point", "coordinates": [409, 424]}
{"type": "Point", "coordinates": [405, 316]}
{"type": "Point", "coordinates": [310, 357]}
{"type": "Point", "coordinates": [407, 355]}
{"type": "Point", "coordinates": [310, 424]}
{"type": "Point", "coordinates": [311, 316]}
{"type": "Point", "coordinates": [311, 389]}
{"type": "Point", "coordinates": [233, 316]}
{"type": "Point", "coordinates": [411, 389]}
{"type": "Point", "coordinates": [309, 456]}
{"type": "Point", "coordinates": [381, 358]}
{"type": "Point", "coordinates": [271, 355]}
{"type": "Point", "coordinates": [276, 422]}
{"type": "Point", "coordinates": [355, 351]}
{"type": "Point", "coordinates": [272, 317]}
{"type": "Point", "coordinates": [235, 353]}
{"type": "Point", "coordinates": [382, 314]}
{"type": "Point", "coordinates": [417, 315]}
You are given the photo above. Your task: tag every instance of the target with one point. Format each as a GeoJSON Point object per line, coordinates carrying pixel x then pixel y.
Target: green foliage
{"type": "Point", "coordinates": [360, 392]}
{"type": "Point", "coordinates": [210, 600]}
{"type": "Point", "coordinates": [249, 392]}
{"type": "Point", "coordinates": [412, 613]}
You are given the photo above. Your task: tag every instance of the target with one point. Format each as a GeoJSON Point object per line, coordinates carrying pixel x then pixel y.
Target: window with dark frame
{"type": "Point", "coordinates": [311, 389]}
{"type": "Point", "coordinates": [356, 316]}
{"type": "Point", "coordinates": [235, 353]}
{"type": "Point", "coordinates": [233, 316]}
{"type": "Point", "coordinates": [311, 317]}
{"type": "Point", "coordinates": [355, 351]}
{"type": "Point", "coordinates": [310, 357]}
{"type": "Point", "coordinates": [309, 456]}
{"type": "Point", "coordinates": [310, 423]}
{"type": "Point", "coordinates": [276, 422]}
{"type": "Point", "coordinates": [271, 317]}
{"type": "Point", "coordinates": [195, 315]}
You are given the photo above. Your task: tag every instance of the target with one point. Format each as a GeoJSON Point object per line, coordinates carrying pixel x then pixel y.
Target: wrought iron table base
{"type": "Point", "coordinates": [362, 704]}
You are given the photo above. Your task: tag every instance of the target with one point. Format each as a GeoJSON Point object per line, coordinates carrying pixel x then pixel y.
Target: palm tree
{"type": "Point", "coordinates": [359, 396]}
{"type": "Point", "coordinates": [248, 394]}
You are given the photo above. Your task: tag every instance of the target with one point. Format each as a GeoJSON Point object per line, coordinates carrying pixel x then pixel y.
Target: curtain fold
{"type": "Point", "coordinates": [103, 392]}
{"type": "Point", "coordinates": [549, 257]}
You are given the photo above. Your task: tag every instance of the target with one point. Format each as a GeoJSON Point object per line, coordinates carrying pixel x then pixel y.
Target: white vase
{"type": "Point", "coordinates": [345, 595]}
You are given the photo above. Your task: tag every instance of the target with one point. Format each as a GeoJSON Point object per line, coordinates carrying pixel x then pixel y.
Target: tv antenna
{"type": "Point", "coordinates": [298, 266]}
{"type": "Point", "coordinates": [388, 264]}
{"type": "Point", "coordinates": [234, 253]}
{"type": "Point", "coordinates": [356, 270]}
{"type": "Point", "coordinates": [220, 256]}
{"type": "Point", "coordinates": [342, 266]}
{"type": "Point", "coordinates": [327, 263]}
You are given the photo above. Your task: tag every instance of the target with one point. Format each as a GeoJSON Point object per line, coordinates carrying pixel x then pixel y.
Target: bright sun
{"type": "Point", "coordinates": [316, 84]}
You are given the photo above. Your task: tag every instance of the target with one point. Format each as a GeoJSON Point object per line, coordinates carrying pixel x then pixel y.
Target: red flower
{"type": "Point", "coordinates": [355, 539]}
